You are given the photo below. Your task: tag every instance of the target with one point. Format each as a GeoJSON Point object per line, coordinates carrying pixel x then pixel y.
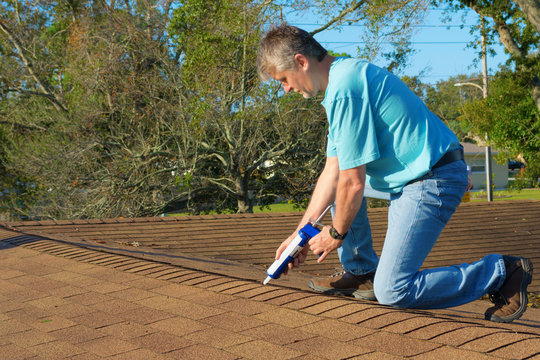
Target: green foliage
{"type": "Point", "coordinates": [510, 117]}
{"type": "Point", "coordinates": [138, 108]}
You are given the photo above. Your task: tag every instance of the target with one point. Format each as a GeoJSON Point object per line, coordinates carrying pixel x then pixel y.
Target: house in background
{"type": "Point", "coordinates": [475, 157]}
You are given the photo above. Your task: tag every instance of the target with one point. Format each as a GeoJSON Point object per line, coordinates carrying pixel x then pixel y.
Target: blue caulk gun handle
{"type": "Point", "coordinates": [291, 252]}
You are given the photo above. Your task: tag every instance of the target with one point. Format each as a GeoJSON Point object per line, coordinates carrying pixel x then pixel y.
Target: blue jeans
{"type": "Point", "coordinates": [416, 217]}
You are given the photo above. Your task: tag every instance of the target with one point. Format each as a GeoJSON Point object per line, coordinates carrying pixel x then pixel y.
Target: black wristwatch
{"type": "Point", "coordinates": [335, 235]}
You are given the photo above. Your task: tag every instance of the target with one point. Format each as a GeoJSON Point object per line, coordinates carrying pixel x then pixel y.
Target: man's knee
{"type": "Point", "coordinates": [392, 294]}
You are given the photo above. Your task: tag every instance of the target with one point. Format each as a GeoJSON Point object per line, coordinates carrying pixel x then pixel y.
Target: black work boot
{"type": "Point", "coordinates": [347, 284]}
{"type": "Point", "coordinates": [511, 299]}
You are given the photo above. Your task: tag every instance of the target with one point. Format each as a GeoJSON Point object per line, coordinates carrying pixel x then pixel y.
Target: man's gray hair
{"type": "Point", "coordinates": [279, 46]}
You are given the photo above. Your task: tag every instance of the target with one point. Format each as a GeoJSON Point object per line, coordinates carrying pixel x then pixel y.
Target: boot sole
{"type": "Point", "coordinates": [358, 294]}
{"type": "Point", "coordinates": [527, 267]}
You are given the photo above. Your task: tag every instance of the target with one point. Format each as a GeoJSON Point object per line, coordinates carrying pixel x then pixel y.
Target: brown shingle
{"type": "Point", "coordinates": [394, 344]}
{"type": "Point", "coordinates": [464, 335]}
{"type": "Point", "coordinates": [286, 317]}
{"type": "Point", "coordinates": [437, 328]}
{"type": "Point", "coordinates": [233, 321]}
{"type": "Point", "coordinates": [76, 334]}
{"type": "Point", "coordinates": [447, 352]}
{"type": "Point", "coordinates": [97, 319]}
{"type": "Point", "coordinates": [56, 350]}
{"type": "Point", "coordinates": [12, 326]}
{"type": "Point", "coordinates": [126, 330]}
{"type": "Point", "coordinates": [218, 338]}
{"type": "Point", "coordinates": [330, 349]}
{"type": "Point", "coordinates": [144, 315]}
{"type": "Point", "coordinates": [495, 341]}
{"type": "Point", "coordinates": [521, 349]}
{"type": "Point", "coordinates": [245, 307]}
{"type": "Point", "coordinates": [325, 305]}
{"type": "Point", "coordinates": [262, 350]}
{"type": "Point", "coordinates": [201, 352]}
{"type": "Point", "coordinates": [28, 338]}
{"type": "Point", "coordinates": [137, 354]}
{"type": "Point", "coordinates": [178, 325]}
{"type": "Point", "coordinates": [16, 352]}
{"type": "Point", "coordinates": [107, 346]}
{"type": "Point", "coordinates": [162, 342]}
{"type": "Point", "coordinates": [277, 334]}
{"type": "Point", "coordinates": [337, 330]}
{"type": "Point", "coordinates": [390, 319]}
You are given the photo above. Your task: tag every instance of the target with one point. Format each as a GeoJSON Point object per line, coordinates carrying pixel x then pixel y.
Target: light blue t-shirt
{"type": "Point", "coordinates": [375, 119]}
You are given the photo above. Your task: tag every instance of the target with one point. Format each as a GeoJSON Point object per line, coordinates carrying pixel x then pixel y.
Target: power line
{"type": "Point", "coordinates": [391, 42]}
{"type": "Point", "coordinates": [393, 25]}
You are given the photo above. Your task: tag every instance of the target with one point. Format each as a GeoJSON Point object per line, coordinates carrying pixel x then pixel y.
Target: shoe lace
{"type": "Point", "coordinates": [338, 272]}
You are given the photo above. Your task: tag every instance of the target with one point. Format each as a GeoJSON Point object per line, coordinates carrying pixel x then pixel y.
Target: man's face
{"type": "Point", "coordinates": [298, 80]}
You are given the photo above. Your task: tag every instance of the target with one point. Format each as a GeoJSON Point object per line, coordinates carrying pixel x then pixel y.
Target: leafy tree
{"type": "Point", "coordinates": [136, 108]}
{"type": "Point", "coordinates": [84, 98]}
{"type": "Point", "coordinates": [517, 26]}
{"type": "Point", "coordinates": [248, 144]}
{"type": "Point", "coordinates": [510, 113]}
{"type": "Point", "coordinates": [384, 22]}
{"type": "Point", "coordinates": [511, 118]}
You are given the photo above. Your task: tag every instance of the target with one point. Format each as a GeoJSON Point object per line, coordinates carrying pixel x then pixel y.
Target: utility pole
{"type": "Point", "coordinates": [484, 88]}
{"type": "Point", "coordinates": [489, 175]}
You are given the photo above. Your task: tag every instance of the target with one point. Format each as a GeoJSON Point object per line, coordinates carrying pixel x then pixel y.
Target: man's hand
{"type": "Point", "coordinates": [298, 260]}
{"type": "Point", "coordinates": [323, 244]}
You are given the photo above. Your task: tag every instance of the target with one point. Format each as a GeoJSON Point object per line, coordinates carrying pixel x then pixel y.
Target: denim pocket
{"type": "Point", "coordinates": [451, 186]}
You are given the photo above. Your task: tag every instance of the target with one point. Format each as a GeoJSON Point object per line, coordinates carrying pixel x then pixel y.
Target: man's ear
{"type": "Point", "coordinates": [301, 61]}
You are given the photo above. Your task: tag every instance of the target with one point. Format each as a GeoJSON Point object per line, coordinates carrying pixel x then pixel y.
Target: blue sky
{"type": "Point", "coordinates": [440, 50]}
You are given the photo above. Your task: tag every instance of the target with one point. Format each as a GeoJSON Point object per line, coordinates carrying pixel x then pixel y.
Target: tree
{"type": "Point", "coordinates": [511, 119]}
{"type": "Point", "coordinates": [84, 97]}
{"type": "Point", "coordinates": [510, 112]}
{"type": "Point", "coordinates": [385, 22]}
{"type": "Point", "coordinates": [517, 25]}
{"type": "Point", "coordinates": [247, 141]}
{"type": "Point", "coordinates": [137, 108]}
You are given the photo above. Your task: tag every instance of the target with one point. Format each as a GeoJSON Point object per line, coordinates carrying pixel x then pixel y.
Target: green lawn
{"type": "Point", "coordinates": [281, 207]}
{"type": "Point", "coordinates": [525, 194]}
{"type": "Point", "coordinates": [476, 196]}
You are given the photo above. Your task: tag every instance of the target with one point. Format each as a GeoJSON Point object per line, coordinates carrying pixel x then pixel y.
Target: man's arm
{"type": "Point", "coordinates": [350, 194]}
{"type": "Point", "coordinates": [349, 197]}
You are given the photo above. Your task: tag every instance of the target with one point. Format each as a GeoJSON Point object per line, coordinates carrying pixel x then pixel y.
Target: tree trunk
{"type": "Point", "coordinates": [535, 90]}
{"type": "Point", "coordinates": [531, 9]}
{"type": "Point", "coordinates": [244, 200]}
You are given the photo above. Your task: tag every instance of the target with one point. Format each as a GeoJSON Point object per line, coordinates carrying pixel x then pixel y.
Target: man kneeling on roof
{"type": "Point", "coordinates": [381, 134]}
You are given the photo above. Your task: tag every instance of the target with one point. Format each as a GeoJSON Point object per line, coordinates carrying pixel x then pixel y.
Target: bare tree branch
{"type": "Point", "coordinates": [352, 7]}
{"type": "Point", "coordinates": [42, 86]}
{"type": "Point", "coordinates": [508, 40]}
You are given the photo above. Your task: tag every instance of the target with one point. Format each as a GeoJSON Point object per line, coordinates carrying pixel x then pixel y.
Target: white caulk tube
{"type": "Point", "coordinates": [291, 252]}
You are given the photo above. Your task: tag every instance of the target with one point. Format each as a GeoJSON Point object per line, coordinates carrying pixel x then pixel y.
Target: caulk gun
{"type": "Point", "coordinates": [293, 249]}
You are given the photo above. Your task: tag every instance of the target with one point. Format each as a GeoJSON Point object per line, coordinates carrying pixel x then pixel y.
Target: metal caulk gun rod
{"type": "Point", "coordinates": [316, 222]}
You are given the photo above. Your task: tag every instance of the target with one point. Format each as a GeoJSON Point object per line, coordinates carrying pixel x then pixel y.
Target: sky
{"type": "Point", "coordinates": [440, 47]}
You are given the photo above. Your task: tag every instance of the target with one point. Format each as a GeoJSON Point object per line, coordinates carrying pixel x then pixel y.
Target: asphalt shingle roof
{"type": "Point", "coordinates": [475, 230]}
{"type": "Point", "coordinates": [191, 289]}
